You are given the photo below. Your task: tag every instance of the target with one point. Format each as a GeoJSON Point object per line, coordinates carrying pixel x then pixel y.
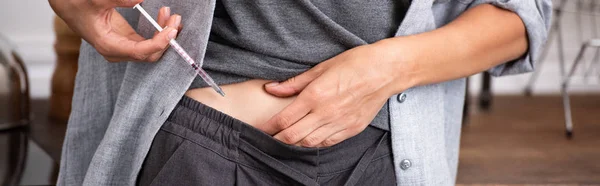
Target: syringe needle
{"type": "Point", "coordinates": [220, 91]}
{"type": "Point", "coordinates": [186, 57]}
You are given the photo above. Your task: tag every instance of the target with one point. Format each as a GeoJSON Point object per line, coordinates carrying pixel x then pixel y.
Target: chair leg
{"type": "Point", "coordinates": [485, 96]}
{"type": "Point", "coordinates": [579, 7]}
{"type": "Point", "coordinates": [565, 93]}
{"type": "Point", "coordinates": [559, 40]}
{"type": "Point", "coordinates": [567, 110]}
{"type": "Point", "coordinates": [590, 68]}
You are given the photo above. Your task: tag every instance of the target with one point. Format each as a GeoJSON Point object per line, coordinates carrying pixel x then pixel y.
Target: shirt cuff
{"type": "Point", "coordinates": [536, 16]}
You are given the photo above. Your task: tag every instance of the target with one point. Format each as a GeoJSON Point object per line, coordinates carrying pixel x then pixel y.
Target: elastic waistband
{"type": "Point", "coordinates": [223, 128]}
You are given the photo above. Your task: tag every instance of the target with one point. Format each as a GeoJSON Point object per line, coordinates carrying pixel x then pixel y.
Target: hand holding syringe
{"type": "Point", "coordinates": [183, 54]}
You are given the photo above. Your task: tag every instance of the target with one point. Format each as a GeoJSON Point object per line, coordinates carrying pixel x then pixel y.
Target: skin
{"type": "Point", "coordinates": [98, 23]}
{"type": "Point", "coordinates": [338, 98]}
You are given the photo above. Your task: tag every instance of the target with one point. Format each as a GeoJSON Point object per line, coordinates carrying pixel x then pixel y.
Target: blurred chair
{"type": "Point", "coordinates": [579, 68]}
{"type": "Point", "coordinates": [582, 8]}
{"type": "Point", "coordinates": [13, 155]}
{"type": "Point", "coordinates": [14, 114]}
{"type": "Point", "coordinates": [14, 88]}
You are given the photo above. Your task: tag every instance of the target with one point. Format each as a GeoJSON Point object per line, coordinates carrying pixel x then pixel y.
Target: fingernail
{"type": "Point", "coordinates": [172, 34]}
{"type": "Point", "coordinates": [177, 21]}
{"type": "Point", "coordinates": [167, 10]}
{"type": "Point", "coordinates": [272, 84]}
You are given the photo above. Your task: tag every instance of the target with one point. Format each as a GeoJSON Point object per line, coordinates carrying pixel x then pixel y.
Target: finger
{"type": "Point", "coordinates": [316, 138]}
{"type": "Point", "coordinates": [180, 26]}
{"type": "Point", "coordinates": [134, 49]}
{"type": "Point", "coordinates": [286, 117]}
{"type": "Point", "coordinates": [172, 22]}
{"type": "Point", "coordinates": [299, 130]}
{"type": "Point", "coordinates": [163, 16]}
{"type": "Point", "coordinates": [337, 138]}
{"type": "Point", "coordinates": [295, 84]}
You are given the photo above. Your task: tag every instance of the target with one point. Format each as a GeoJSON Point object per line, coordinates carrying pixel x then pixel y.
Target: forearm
{"type": "Point", "coordinates": [481, 38]}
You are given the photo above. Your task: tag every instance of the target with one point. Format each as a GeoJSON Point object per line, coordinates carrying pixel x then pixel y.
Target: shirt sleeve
{"type": "Point", "coordinates": [536, 15]}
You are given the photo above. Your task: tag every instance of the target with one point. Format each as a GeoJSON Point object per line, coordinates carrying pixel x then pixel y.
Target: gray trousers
{"type": "Point", "coordinates": [199, 145]}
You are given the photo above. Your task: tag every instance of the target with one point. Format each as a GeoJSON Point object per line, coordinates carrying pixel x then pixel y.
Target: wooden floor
{"type": "Point", "coordinates": [522, 141]}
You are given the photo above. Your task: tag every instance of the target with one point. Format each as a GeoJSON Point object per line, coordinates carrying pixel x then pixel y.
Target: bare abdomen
{"type": "Point", "coordinates": [246, 101]}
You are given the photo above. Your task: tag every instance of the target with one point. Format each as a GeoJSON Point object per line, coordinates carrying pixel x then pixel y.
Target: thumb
{"type": "Point", "coordinates": [293, 85]}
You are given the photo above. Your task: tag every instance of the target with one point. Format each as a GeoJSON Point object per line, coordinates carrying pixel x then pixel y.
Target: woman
{"type": "Point", "coordinates": [373, 95]}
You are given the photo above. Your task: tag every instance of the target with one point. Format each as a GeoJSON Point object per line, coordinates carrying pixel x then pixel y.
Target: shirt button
{"type": "Point", "coordinates": [402, 97]}
{"type": "Point", "coordinates": [405, 164]}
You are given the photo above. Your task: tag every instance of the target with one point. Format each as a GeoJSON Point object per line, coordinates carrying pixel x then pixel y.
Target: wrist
{"type": "Point", "coordinates": [400, 56]}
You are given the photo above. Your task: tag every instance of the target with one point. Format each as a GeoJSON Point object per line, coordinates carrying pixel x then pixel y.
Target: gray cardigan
{"type": "Point", "coordinates": [119, 107]}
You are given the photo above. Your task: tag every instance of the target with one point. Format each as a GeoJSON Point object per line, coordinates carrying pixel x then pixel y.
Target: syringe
{"type": "Point", "coordinates": [183, 54]}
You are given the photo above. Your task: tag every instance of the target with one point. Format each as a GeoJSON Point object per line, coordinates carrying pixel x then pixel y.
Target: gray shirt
{"type": "Point", "coordinates": [119, 107]}
{"type": "Point", "coordinates": [279, 39]}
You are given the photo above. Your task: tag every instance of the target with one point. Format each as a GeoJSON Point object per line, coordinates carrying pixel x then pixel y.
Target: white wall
{"type": "Point", "coordinates": [28, 23]}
